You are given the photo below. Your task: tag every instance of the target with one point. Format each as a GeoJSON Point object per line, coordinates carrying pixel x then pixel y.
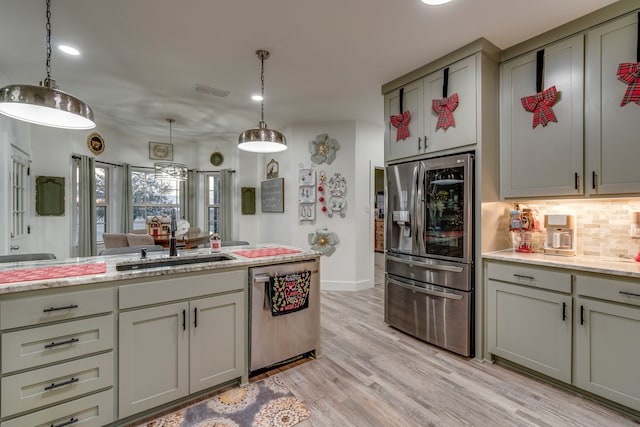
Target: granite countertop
{"type": "Point", "coordinates": [617, 266]}
{"type": "Point", "coordinates": [112, 274]}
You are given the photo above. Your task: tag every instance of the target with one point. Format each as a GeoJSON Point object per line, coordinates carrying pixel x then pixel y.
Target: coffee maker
{"type": "Point", "coordinates": [560, 238]}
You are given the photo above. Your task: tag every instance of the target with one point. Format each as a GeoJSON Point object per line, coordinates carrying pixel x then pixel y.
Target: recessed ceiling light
{"type": "Point", "coordinates": [257, 97]}
{"type": "Point", "coordinates": [435, 2]}
{"type": "Point", "coordinates": [69, 50]}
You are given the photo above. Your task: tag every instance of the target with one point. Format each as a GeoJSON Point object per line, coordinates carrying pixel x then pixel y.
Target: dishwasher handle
{"type": "Point", "coordinates": [263, 278]}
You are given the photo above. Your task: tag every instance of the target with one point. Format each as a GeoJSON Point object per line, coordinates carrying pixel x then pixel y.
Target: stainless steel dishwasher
{"type": "Point", "coordinates": [276, 339]}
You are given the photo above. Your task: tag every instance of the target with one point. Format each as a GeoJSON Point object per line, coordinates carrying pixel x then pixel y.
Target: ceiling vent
{"type": "Point", "coordinates": [211, 90]}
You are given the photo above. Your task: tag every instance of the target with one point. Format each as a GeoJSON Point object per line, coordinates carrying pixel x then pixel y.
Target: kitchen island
{"type": "Point", "coordinates": [116, 341]}
{"type": "Point", "coordinates": [574, 320]}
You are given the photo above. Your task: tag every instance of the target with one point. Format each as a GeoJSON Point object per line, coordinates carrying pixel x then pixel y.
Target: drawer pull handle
{"type": "Point", "coordinates": [54, 385]}
{"type": "Point", "coordinates": [66, 307]}
{"type": "Point", "coordinates": [564, 311]}
{"type": "Point", "coordinates": [66, 423]}
{"type": "Point", "coordinates": [522, 276]}
{"type": "Point", "coordinates": [56, 344]}
{"type": "Point", "coordinates": [629, 293]}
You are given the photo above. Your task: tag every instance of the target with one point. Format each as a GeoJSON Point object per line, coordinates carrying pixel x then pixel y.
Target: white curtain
{"type": "Point", "coordinates": [226, 202]}
{"type": "Point", "coordinates": [87, 207]}
{"type": "Point", "coordinates": [126, 196]}
{"type": "Point", "coordinates": [189, 197]}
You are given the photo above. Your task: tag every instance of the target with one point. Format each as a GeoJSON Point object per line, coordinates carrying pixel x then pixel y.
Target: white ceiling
{"type": "Point", "coordinates": [329, 58]}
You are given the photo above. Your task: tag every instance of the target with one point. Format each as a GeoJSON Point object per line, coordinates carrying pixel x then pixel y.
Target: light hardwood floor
{"type": "Point", "coordinates": [369, 374]}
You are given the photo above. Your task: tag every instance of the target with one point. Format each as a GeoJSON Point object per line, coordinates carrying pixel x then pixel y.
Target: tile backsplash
{"type": "Point", "coordinates": [603, 225]}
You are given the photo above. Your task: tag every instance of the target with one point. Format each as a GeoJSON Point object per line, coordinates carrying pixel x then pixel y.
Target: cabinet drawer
{"type": "Point", "coordinates": [527, 275]}
{"type": "Point", "coordinates": [622, 290]}
{"type": "Point", "coordinates": [54, 343]}
{"type": "Point", "coordinates": [158, 291]}
{"type": "Point", "coordinates": [90, 411]}
{"type": "Point", "coordinates": [51, 307]}
{"type": "Point", "coordinates": [46, 386]}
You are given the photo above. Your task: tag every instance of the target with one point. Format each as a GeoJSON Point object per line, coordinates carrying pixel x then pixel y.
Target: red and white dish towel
{"type": "Point", "coordinates": [57, 272]}
{"type": "Point", "coordinates": [259, 253]}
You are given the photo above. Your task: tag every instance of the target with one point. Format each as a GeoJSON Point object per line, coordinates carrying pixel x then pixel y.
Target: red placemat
{"type": "Point", "coordinates": [259, 253]}
{"type": "Point", "coordinates": [42, 273]}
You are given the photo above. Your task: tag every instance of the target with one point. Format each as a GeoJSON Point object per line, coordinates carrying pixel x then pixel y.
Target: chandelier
{"type": "Point", "coordinates": [46, 105]}
{"type": "Point", "coordinates": [170, 170]}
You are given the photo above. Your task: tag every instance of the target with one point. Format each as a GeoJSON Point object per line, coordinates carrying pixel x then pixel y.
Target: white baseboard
{"type": "Point", "coordinates": [326, 285]}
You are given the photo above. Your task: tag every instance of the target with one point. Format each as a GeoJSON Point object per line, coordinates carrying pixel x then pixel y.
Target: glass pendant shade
{"type": "Point", "coordinates": [46, 105]}
{"type": "Point", "coordinates": [170, 171]}
{"type": "Point", "coordinates": [262, 140]}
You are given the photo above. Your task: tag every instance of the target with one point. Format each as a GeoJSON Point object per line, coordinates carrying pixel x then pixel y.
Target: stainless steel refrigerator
{"type": "Point", "coordinates": [429, 256]}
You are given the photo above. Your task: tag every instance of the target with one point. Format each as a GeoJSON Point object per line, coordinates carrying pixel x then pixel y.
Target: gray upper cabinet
{"type": "Point", "coordinates": [395, 148]}
{"type": "Point", "coordinates": [461, 81]}
{"type": "Point", "coordinates": [612, 146]}
{"type": "Point", "coordinates": [545, 160]}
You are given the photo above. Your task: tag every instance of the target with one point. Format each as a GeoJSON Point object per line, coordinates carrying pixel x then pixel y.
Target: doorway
{"type": "Point", "coordinates": [378, 238]}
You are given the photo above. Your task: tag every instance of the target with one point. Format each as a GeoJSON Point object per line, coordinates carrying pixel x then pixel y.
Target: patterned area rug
{"type": "Point", "coordinates": [267, 402]}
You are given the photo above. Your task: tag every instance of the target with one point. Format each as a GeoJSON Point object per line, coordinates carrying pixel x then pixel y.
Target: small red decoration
{"type": "Point", "coordinates": [401, 122]}
{"type": "Point", "coordinates": [540, 105]}
{"type": "Point", "coordinates": [444, 108]}
{"type": "Point", "coordinates": [324, 209]}
{"type": "Point", "coordinates": [629, 73]}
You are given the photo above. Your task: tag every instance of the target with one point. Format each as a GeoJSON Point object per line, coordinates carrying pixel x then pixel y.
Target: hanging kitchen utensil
{"type": "Point", "coordinates": [540, 103]}
{"type": "Point", "coordinates": [401, 121]}
{"type": "Point", "coordinates": [445, 107]}
{"type": "Point", "coordinates": [629, 73]}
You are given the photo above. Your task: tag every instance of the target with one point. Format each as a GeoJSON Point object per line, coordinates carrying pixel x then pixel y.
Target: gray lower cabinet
{"type": "Point", "coordinates": [536, 324]}
{"type": "Point", "coordinates": [531, 327]}
{"type": "Point", "coordinates": [191, 337]}
{"type": "Point", "coordinates": [607, 338]}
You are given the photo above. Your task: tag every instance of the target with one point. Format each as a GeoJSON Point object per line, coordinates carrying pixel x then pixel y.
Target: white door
{"type": "Point", "coordinates": [20, 190]}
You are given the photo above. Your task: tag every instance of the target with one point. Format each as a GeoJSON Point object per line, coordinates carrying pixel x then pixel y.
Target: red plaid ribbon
{"type": "Point", "coordinates": [444, 108]}
{"type": "Point", "coordinates": [629, 73]}
{"type": "Point", "coordinates": [401, 121]}
{"type": "Point", "coordinates": [540, 105]}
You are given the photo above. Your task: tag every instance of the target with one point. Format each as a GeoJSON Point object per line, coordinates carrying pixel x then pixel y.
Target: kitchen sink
{"type": "Point", "coordinates": [170, 261]}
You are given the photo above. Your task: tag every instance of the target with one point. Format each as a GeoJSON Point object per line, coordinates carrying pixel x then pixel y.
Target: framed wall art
{"type": "Point", "coordinates": [160, 151]}
{"type": "Point", "coordinates": [272, 195]}
{"type": "Point", "coordinates": [50, 195]}
{"type": "Point", "coordinates": [273, 169]}
{"type": "Point", "coordinates": [248, 198]}
{"type": "Point", "coordinates": [95, 143]}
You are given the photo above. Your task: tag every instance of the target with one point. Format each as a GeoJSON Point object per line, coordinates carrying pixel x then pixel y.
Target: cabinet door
{"type": "Point", "coordinates": [611, 130]}
{"type": "Point", "coordinates": [462, 80]}
{"type": "Point", "coordinates": [608, 350]}
{"type": "Point", "coordinates": [530, 327]}
{"type": "Point", "coordinates": [545, 160]}
{"type": "Point", "coordinates": [412, 102]}
{"type": "Point", "coordinates": [153, 357]}
{"type": "Point", "coordinates": [217, 340]}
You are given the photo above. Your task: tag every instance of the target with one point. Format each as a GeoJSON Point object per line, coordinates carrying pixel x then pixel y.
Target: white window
{"type": "Point", "coordinates": [152, 197]}
{"type": "Point", "coordinates": [212, 201]}
{"type": "Point", "coordinates": [19, 193]}
{"type": "Point", "coordinates": [102, 202]}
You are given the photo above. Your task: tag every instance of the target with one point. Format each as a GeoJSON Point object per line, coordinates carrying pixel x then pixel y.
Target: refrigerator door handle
{"type": "Point", "coordinates": [418, 218]}
{"type": "Point", "coordinates": [426, 291]}
{"type": "Point", "coordinates": [428, 266]}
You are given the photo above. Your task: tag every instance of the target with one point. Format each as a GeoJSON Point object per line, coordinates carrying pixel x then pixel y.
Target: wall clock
{"type": "Point", "coordinates": [95, 143]}
{"type": "Point", "coordinates": [216, 158]}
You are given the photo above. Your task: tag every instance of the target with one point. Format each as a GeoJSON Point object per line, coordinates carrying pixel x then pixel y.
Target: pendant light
{"type": "Point", "coordinates": [170, 170]}
{"type": "Point", "coordinates": [262, 139]}
{"type": "Point", "coordinates": [46, 105]}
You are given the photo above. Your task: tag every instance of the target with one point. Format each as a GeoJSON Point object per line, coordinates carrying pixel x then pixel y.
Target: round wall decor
{"type": "Point", "coordinates": [95, 143]}
{"type": "Point", "coordinates": [216, 158]}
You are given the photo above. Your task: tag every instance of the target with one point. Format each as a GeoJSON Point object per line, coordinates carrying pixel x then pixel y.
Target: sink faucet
{"type": "Point", "coordinates": [173, 249]}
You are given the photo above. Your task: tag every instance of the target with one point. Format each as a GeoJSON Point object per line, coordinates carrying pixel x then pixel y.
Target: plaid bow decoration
{"type": "Point", "coordinates": [401, 121]}
{"type": "Point", "coordinates": [540, 105]}
{"type": "Point", "coordinates": [629, 73]}
{"type": "Point", "coordinates": [444, 109]}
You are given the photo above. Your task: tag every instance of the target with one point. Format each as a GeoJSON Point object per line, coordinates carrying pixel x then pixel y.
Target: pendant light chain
{"type": "Point", "coordinates": [48, 65]}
